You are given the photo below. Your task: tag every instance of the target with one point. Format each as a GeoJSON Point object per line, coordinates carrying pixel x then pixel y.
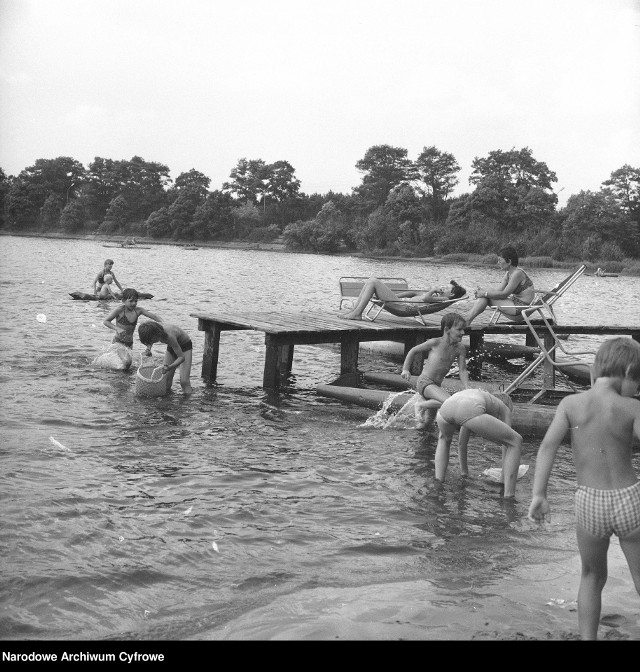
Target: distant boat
{"type": "Point", "coordinates": [603, 274]}
{"type": "Point", "coordinates": [127, 246]}
{"type": "Point", "coordinates": [190, 247]}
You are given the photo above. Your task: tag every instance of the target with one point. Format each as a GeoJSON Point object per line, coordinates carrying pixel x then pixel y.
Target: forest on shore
{"type": "Point", "coordinates": [402, 207]}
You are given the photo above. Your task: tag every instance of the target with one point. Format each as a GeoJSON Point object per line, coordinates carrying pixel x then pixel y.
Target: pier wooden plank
{"type": "Point", "coordinates": [284, 330]}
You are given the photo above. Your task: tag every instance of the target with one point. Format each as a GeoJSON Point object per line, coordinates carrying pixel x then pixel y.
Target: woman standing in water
{"type": "Point", "coordinates": [515, 292]}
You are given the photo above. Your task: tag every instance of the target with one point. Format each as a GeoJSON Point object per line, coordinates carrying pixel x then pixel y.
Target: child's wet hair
{"type": "Point", "coordinates": [108, 277]}
{"type": "Point", "coordinates": [504, 398]}
{"type": "Point", "coordinates": [150, 332]}
{"type": "Point", "coordinates": [129, 293]}
{"type": "Point", "coordinates": [618, 357]}
{"type": "Point", "coordinates": [451, 320]}
{"type": "Point", "coordinates": [457, 290]}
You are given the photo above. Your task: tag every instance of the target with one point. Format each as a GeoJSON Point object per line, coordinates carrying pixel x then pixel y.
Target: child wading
{"type": "Point", "coordinates": [442, 352]}
{"type": "Point", "coordinates": [179, 350]}
{"type": "Point", "coordinates": [126, 317]}
{"type": "Point", "coordinates": [603, 422]}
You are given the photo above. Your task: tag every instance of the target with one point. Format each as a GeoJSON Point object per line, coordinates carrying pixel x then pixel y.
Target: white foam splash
{"type": "Point", "coordinates": [57, 444]}
{"type": "Point", "coordinates": [383, 419]}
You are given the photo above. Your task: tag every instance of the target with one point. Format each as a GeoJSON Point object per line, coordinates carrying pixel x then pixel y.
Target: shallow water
{"type": "Point", "coordinates": [170, 518]}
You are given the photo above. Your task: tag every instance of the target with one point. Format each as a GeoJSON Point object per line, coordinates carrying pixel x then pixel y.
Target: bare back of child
{"type": "Point", "coordinates": [602, 422]}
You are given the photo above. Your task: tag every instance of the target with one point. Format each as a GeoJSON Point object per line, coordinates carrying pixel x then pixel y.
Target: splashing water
{"type": "Point", "coordinates": [384, 418]}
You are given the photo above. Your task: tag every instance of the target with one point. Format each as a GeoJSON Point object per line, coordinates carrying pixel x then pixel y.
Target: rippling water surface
{"type": "Point", "coordinates": [128, 518]}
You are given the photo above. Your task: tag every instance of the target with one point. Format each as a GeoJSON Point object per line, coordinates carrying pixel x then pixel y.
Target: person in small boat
{"type": "Point", "coordinates": [179, 350]}
{"type": "Point", "coordinates": [99, 279]}
{"type": "Point", "coordinates": [126, 317]}
{"type": "Point", "coordinates": [441, 353]}
{"type": "Point", "coordinates": [374, 287]}
{"type": "Point", "coordinates": [486, 414]}
{"type": "Point", "coordinates": [515, 292]}
{"type": "Point", "coordinates": [105, 291]}
{"type": "Point", "coordinates": [602, 423]}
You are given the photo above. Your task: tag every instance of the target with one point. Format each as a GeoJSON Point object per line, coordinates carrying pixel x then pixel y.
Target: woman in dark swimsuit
{"type": "Point", "coordinates": [516, 289]}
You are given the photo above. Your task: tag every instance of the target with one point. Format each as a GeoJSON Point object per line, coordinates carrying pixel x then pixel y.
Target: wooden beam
{"type": "Point", "coordinates": [211, 352]}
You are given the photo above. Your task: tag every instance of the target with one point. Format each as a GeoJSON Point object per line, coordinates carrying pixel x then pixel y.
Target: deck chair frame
{"type": "Point", "coordinates": [539, 322]}
{"type": "Point", "coordinates": [544, 298]}
{"type": "Point", "coordinates": [417, 312]}
{"type": "Point", "coordinates": [351, 286]}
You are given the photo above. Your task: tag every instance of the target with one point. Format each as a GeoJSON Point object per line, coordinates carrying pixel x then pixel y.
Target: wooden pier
{"type": "Point", "coordinates": [284, 330]}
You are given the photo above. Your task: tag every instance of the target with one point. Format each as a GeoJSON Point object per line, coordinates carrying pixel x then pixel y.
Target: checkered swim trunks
{"type": "Point", "coordinates": [606, 512]}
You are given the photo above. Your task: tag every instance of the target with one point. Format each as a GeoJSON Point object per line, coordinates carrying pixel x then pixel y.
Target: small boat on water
{"type": "Point", "coordinates": [83, 296]}
{"type": "Point", "coordinates": [190, 247]}
{"type": "Point", "coordinates": [128, 246]}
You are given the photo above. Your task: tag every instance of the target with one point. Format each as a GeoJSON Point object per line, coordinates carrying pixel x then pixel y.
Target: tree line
{"type": "Point", "coordinates": [401, 207]}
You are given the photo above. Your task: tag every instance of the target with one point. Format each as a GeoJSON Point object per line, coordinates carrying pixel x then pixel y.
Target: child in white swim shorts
{"type": "Point", "coordinates": [603, 422]}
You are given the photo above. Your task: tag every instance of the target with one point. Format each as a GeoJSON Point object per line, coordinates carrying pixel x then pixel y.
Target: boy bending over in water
{"type": "Point", "coordinates": [442, 352]}
{"type": "Point", "coordinates": [602, 421]}
{"type": "Point", "coordinates": [487, 414]}
{"type": "Point", "coordinates": [179, 350]}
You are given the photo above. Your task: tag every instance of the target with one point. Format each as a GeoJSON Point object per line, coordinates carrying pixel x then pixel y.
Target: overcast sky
{"type": "Point", "coordinates": [202, 83]}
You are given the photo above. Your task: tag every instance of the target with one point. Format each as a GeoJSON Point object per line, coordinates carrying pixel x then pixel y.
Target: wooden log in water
{"type": "Point", "coordinates": [527, 419]}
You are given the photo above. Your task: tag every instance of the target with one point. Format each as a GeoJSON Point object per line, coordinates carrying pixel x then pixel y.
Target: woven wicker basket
{"type": "Point", "coordinates": [150, 381]}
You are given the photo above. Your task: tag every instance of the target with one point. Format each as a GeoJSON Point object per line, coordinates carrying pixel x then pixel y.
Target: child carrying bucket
{"type": "Point", "coordinates": [179, 350]}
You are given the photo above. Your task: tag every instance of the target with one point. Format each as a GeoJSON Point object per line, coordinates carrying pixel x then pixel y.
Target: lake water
{"type": "Point", "coordinates": [217, 515]}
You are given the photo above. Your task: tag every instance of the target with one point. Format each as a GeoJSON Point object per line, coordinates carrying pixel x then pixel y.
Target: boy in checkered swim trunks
{"type": "Point", "coordinates": [603, 422]}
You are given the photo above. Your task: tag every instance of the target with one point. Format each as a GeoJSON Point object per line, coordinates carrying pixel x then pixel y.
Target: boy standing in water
{"type": "Point", "coordinates": [442, 352]}
{"type": "Point", "coordinates": [602, 421]}
{"type": "Point", "coordinates": [179, 350]}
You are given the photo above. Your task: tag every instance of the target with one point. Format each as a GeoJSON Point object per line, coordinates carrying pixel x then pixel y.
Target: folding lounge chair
{"type": "Point", "coordinates": [407, 308]}
{"type": "Point", "coordinates": [545, 298]}
{"type": "Point", "coordinates": [539, 320]}
{"type": "Point", "coordinates": [351, 286]}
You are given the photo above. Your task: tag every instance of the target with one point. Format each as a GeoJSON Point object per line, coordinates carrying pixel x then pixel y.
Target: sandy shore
{"type": "Point", "coordinates": [537, 602]}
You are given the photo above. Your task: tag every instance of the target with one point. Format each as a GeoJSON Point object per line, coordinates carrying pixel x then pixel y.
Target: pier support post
{"type": "Point", "coordinates": [475, 358]}
{"type": "Point", "coordinates": [349, 348]}
{"type": "Point", "coordinates": [548, 370]}
{"type": "Point", "coordinates": [211, 350]}
{"type": "Point", "coordinates": [278, 361]}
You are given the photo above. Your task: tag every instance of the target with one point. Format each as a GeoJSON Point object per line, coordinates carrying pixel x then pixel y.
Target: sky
{"type": "Point", "coordinates": [203, 83]}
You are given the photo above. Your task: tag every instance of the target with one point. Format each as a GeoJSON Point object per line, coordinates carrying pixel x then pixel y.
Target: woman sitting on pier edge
{"type": "Point", "coordinates": [376, 287]}
{"type": "Point", "coordinates": [515, 290]}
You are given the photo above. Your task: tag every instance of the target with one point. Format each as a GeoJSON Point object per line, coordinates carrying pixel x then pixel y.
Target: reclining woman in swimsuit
{"type": "Point", "coordinates": [516, 289]}
{"type": "Point", "coordinates": [375, 287]}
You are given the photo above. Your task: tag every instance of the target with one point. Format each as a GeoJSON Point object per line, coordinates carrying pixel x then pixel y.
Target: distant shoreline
{"type": "Point", "coordinates": [267, 247]}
